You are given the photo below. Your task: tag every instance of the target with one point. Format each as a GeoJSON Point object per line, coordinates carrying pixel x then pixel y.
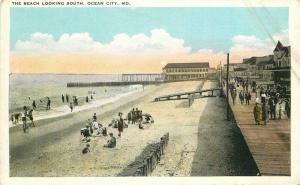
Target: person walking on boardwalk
{"type": "Point", "coordinates": [272, 108]}
{"type": "Point", "coordinates": [287, 108]}
{"type": "Point", "coordinates": [264, 113]}
{"type": "Point", "coordinates": [241, 96]}
{"type": "Point", "coordinates": [233, 96]}
{"type": "Point", "coordinates": [120, 124]}
{"type": "Point", "coordinates": [257, 112]}
{"type": "Point", "coordinates": [33, 104]}
{"type": "Point", "coordinates": [63, 98]}
{"type": "Point", "coordinates": [248, 98]}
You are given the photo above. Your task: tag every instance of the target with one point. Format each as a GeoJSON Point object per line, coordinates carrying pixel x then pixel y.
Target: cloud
{"type": "Point", "coordinates": [251, 45]}
{"type": "Point", "coordinates": [148, 53]}
{"type": "Point", "coordinates": [160, 42]}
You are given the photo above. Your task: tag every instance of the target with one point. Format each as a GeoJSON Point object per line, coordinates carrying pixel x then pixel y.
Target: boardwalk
{"type": "Point", "coordinates": [269, 144]}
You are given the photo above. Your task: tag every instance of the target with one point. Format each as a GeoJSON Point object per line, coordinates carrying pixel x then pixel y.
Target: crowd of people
{"type": "Point", "coordinates": [95, 128]}
{"type": "Point", "coordinates": [43, 104]}
{"type": "Point", "coordinates": [270, 103]}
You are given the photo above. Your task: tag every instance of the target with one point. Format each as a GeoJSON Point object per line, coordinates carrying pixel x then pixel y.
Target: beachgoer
{"type": "Point", "coordinates": [67, 98]}
{"type": "Point", "coordinates": [133, 116]}
{"type": "Point", "coordinates": [95, 117]}
{"type": "Point", "coordinates": [25, 126]}
{"type": "Point", "coordinates": [71, 106]}
{"type": "Point", "coordinates": [30, 116]}
{"type": "Point", "coordinates": [33, 104]}
{"type": "Point", "coordinates": [63, 98]}
{"type": "Point", "coordinates": [85, 132]}
{"type": "Point", "coordinates": [75, 101]}
{"type": "Point", "coordinates": [86, 149]}
{"type": "Point", "coordinates": [17, 115]}
{"type": "Point", "coordinates": [48, 103]}
{"type": "Point", "coordinates": [112, 142]}
{"type": "Point", "coordinates": [86, 99]}
{"type": "Point", "coordinates": [120, 124]}
{"type": "Point", "coordinates": [92, 97]}
{"type": "Point", "coordinates": [257, 112]}
{"type": "Point", "coordinates": [129, 117]}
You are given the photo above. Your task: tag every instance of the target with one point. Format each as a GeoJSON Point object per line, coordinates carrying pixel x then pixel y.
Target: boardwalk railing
{"type": "Point", "coordinates": [145, 163]}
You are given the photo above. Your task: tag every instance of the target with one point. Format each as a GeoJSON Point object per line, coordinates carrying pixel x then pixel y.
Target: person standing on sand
{"type": "Point", "coordinates": [63, 98]}
{"type": "Point", "coordinates": [25, 126]}
{"type": "Point", "coordinates": [257, 112]}
{"type": "Point", "coordinates": [129, 117]}
{"type": "Point", "coordinates": [30, 116]}
{"type": "Point", "coordinates": [133, 116]}
{"type": "Point", "coordinates": [95, 117]}
{"type": "Point", "coordinates": [120, 124]}
{"type": "Point", "coordinates": [33, 104]}
{"type": "Point", "coordinates": [71, 106]}
{"type": "Point", "coordinates": [48, 104]}
{"type": "Point", "coordinates": [67, 98]}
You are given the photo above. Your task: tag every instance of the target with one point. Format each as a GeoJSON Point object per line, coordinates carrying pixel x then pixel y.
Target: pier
{"type": "Point", "coordinates": [126, 79]}
{"type": "Point", "coordinates": [187, 95]}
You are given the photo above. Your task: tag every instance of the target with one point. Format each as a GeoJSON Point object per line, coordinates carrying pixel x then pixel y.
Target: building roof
{"type": "Point", "coordinates": [240, 69]}
{"type": "Point", "coordinates": [280, 47]}
{"type": "Point", "coordinates": [188, 65]}
{"type": "Point", "coordinates": [258, 60]}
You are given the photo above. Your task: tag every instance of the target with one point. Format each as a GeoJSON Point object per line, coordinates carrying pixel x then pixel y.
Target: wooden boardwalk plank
{"type": "Point", "coordinates": [269, 144]}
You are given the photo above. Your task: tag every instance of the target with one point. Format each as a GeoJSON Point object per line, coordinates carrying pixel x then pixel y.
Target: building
{"type": "Point", "coordinates": [282, 65]}
{"type": "Point", "coordinates": [266, 70]}
{"type": "Point", "coordinates": [152, 77]}
{"type": "Point", "coordinates": [185, 71]}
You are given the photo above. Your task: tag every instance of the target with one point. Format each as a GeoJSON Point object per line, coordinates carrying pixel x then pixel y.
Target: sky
{"type": "Point", "coordinates": [139, 39]}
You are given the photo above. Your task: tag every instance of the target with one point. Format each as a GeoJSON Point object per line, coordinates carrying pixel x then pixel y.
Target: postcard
{"type": "Point", "coordinates": [179, 92]}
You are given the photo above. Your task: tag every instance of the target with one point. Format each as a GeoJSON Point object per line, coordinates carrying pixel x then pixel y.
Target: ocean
{"type": "Point", "coordinates": [24, 88]}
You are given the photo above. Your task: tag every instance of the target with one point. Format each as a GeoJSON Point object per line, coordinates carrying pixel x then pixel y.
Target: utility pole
{"type": "Point", "coordinates": [221, 84]}
{"type": "Point", "coordinates": [227, 94]}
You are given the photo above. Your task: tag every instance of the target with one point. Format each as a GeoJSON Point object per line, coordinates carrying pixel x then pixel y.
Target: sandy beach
{"type": "Point", "coordinates": [54, 147]}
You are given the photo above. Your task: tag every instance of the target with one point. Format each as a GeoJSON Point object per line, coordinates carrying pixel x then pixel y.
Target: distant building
{"type": "Point", "coordinates": [185, 71]}
{"type": "Point", "coordinates": [266, 70]}
{"type": "Point", "coordinates": [142, 77]}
